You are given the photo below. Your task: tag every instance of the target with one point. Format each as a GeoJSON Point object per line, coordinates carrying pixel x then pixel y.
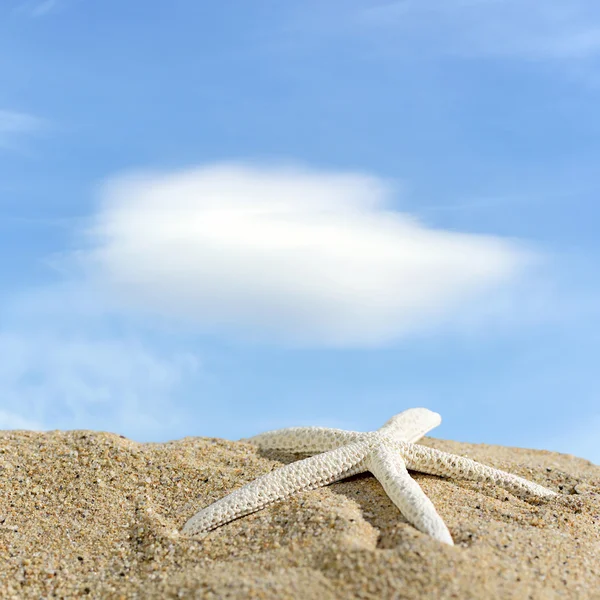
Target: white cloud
{"type": "Point", "coordinates": [289, 253]}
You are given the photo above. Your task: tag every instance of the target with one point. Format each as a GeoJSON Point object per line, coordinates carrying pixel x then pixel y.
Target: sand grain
{"type": "Point", "coordinates": [87, 514]}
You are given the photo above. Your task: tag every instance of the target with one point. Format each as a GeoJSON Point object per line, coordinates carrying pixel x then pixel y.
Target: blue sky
{"type": "Point", "coordinates": [220, 218]}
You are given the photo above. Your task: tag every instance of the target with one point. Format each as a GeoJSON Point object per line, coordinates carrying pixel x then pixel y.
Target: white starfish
{"type": "Point", "coordinates": [387, 453]}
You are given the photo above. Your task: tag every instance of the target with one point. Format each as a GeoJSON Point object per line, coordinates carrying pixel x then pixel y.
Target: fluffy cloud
{"type": "Point", "coordinates": [287, 253]}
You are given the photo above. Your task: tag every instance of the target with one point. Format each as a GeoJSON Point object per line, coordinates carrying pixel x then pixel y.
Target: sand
{"type": "Point", "coordinates": [88, 514]}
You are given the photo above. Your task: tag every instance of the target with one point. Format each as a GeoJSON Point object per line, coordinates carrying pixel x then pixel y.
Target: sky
{"type": "Point", "coordinates": [222, 218]}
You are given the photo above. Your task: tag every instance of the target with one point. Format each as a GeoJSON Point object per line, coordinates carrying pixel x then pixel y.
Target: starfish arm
{"type": "Point", "coordinates": [304, 439]}
{"type": "Point", "coordinates": [411, 425]}
{"type": "Point", "coordinates": [307, 474]}
{"type": "Point", "coordinates": [390, 470]}
{"type": "Point", "coordinates": [436, 462]}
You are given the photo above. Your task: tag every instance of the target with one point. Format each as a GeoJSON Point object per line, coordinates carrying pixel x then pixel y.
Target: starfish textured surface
{"type": "Point", "coordinates": [387, 453]}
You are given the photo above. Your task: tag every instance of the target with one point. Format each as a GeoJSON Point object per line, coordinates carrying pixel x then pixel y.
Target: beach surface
{"type": "Point", "coordinates": [88, 514]}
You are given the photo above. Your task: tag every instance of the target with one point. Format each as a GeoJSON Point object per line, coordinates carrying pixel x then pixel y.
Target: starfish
{"type": "Point", "coordinates": [387, 453]}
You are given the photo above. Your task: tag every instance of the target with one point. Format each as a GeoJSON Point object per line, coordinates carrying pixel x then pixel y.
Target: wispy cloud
{"type": "Point", "coordinates": [550, 30]}
{"type": "Point", "coordinates": [64, 364]}
{"type": "Point", "coordinates": [11, 420]}
{"type": "Point", "coordinates": [37, 8]}
{"type": "Point", "coordinates": [14, 125]}
{"type": "Point", "coordinates": [580, 439]}
{"type": "Point", "coordinates": [288, 253]}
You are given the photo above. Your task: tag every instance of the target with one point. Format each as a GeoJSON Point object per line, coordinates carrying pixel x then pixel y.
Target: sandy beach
{"type": "Point", "coordinates": [88, 514]}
